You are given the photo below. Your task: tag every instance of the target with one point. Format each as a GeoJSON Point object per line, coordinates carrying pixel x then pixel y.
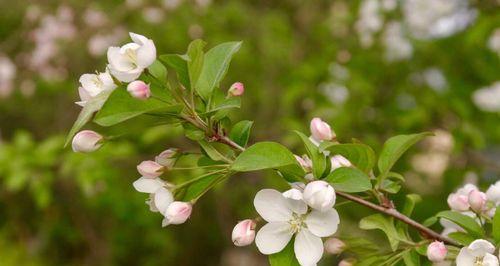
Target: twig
{"type": "Point", "coordinates": [427, 232]}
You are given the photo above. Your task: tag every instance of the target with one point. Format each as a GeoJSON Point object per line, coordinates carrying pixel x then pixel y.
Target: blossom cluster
{"type": "Point", "coordinates": [304, 211]}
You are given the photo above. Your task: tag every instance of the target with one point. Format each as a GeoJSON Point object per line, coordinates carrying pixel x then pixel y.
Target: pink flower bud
{"type": "Point", "coordinates": [436, 252]}
{"type": "Point", "coordinates": [458, 202]}
{"type": "Point", "coordinates": [319, 195]}
{"type": "Point", "coordinates": [338, 161]}
{"type": "Point", "coordinates": [305, 162]}
{"type": "Point", "coordinates": [321, 130]}
{"type": "Point", "coordinates": [477, 200]}
{"type": "Point", "coordinates": [243, 233]}
{"type": "Point", "coordinates": [138, 89]}
{"type": "Point", "coordinates": [237, 89]}
{"type": "Point", "coordinates": [168, 157]}
{"type": "Point", "coordinates": [177, 213]}
{"type": "Point", "coordinates": [334, 245]}
{"type": "Point", "coordinates": [150, 169]}
{"type": "Point", "coordinates": [86, 141]}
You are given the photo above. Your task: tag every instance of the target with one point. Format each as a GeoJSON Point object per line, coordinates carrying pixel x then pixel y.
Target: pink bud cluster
{"type": "Point", "coordinates": [468, 198]}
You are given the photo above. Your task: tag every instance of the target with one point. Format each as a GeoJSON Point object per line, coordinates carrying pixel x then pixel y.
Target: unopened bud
{"type": "Point", "coordinates": [334, 245]}
{"type": "Point", "coordinates": [338, 161]}
{"type": "Point", "coordinates": [436, 252]}
{"type": "Point", "coordinates": [305, 162]}
{"type": "Point", "coordinates": [321, 130]}
{"type": "Point", "coordinates": [458, 202]}
{"type": "Point", "coordinates": [237, 89]}
{"type": "Point", "coordinates": [150, 169]}
{"type": "Point", "coordinates": [243, 233]}
{"type": "Point", "coordinates": [477, 200]}
{"type": "Point", "coordinates": [168, 157]}
{"type": "Point", "coordinates": [177, 213]}
{"type": "Point", "coordinates": [86, 141]}
{"type": "Point", "coordinates": [319, 195]}
{"type": "Point", "coordinates": [138, 89]}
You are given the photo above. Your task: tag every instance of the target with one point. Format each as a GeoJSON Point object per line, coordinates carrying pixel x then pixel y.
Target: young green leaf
{"type": "Point", "coordinates": [159, 71]}
{"type": "Point", "coordinates": [411, 258]}
{"type": "Point", "coordinates": [496, 226]}
{"type": "Point", "coordinates": [216, 63]}
{"type": "Point", "coordinates": [464, 221]}
{"type": "Point", "coordinates": [378, 221]}
{"type": "Point", "coordinates": [192, 132]}
{"type": "Point", "coordinates": [196, 56]}
{"type": "Point", "coordinates": [318, 159]}
{"type": "Point", "coordinates": [410, 202]}
{"type": "Point", "coordinates": [360, 155]}
{"type": "Point", "coordinates": [212, 152]}
{"type": "Point", "coordinates": [461, 237]}
{"type": "Point", "coordinates": [241, 132]}
{"type": "Point", "coordinates": [197, 188]}
{"type": "Point", "coordinates": [348, 179]}
{"type": "Point", "coordinates": [286, 257]}
{"type": "Point", "coordinates": [179, 64]}
{"type": "Point", "coordinates": [93, 105]}
{"type": "Point", "coordinates": [121, 106]}
{"type": "Point", "coordinates": [395, 147]}
{"type": "Point", "coordinates": [263, 155]}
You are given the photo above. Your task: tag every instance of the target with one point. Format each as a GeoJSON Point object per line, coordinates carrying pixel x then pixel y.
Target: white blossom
{"type": "Point", "coordinates": [91, 85]}
{"type": "Point", "coordinates": [126, 63]}
{"type": "Point", "coordinates": [287, 217]}
{"type": "Point", "coordinates": [488, 98]}
{"type": "Point", "coordinates": [428, 19]}
{"type": "Point", "coordinates": [479, 252]}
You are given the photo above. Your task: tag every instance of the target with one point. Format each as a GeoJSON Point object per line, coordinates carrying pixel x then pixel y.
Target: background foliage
{"type": "Point", "coordinates": [299, 59]}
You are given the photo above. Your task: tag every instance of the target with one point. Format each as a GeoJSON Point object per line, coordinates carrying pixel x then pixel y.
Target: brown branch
{"type": "Point", "coordinates": [427, 232]}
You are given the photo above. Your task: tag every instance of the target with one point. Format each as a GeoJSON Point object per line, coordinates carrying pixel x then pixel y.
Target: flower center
{"type": "Point", "coordinates": [132, 56]}
{"type": "Point", "coordinates": [297, 222]}
{"type": "Point", "coordinates": [97, 82]}
{"type": "Point", "coordinates": [478, 261]}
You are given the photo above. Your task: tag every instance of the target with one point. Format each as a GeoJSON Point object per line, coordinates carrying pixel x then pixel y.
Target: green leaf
{"type": "Point", "coordinates": [464, 221]}
{"type": "Point", "coordinates": [241, 132]}
{"type": "Point", "coordinates": [292, 173]}
{"type": "Point", "coordinates": [409, 205]}
{"type": "Point", "coordinates": [390, 186]}
{"type": "Point", "coordinates": [196, 56]}
{"type": "Point", "coordinates": [201, 186]}
{"type": "Point", "coordinates": [233, 102]}
{"type": "Point", "coordinates": [378, 221]}
{"type": "Point", "coordinates": [122, 106]}
{"type": "Point", "coordinates": [360, 155]}
{"type": "Point", "coordinates": [159, 71]}
{"type": "Point", "coordinates": [348, 179]}
{"type": "Point", "coordinates": [192, 132]}
{"type": "Point", "coordinates": [179, 64]}
{"type": "Point", "coordinates": [263, 155]}
{"type": "Point", "coordinates": [93, 105]}
{"type": "Point", "coordinates": [286, 257]}
{"type": "Point", "coordinates": [496, 226]}
{"type": "Point", "coordinates": [395, 147]}
{"type": "Point", "coordinates": [216, 63]}
{"type": "Point", "coordinates": [461, 237]}
{"type": "Point", "coordinates": [318, 159]}
{"type": "Point", "coordinates": [212, 152]}
{"type": "Point", "coordinates": [430, 221]}
{"type": "Point", "coordinates": [411, 258]}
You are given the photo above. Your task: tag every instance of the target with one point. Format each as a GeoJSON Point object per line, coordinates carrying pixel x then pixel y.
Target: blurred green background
{"type": "Point", "coordinates": [371, 68]}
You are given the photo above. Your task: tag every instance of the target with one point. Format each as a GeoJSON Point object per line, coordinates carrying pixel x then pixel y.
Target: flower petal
{"type": "Point", "coordinates": [147, 185]}
{"type": "Point", "coordinates": [323, 224]}
{"type": "Point", "coordinates": [146, 54]}
{"type": "Point", "coordinates": [490, 260]}
{"type": "Point", "coordinates": [273, 237]}
{"type": "Point", "coordinates": [465, 258]}
{"type": "Point", "coordinates": [163, 198]}
{"type": "Point", "coordinates": [308, 248]}
{"type": "Point", "coordinates": [272, 206]}
{"type": "Point", "coordinates": [125, 76]}
{"type": "Point", "coordinates": [481, 247]}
